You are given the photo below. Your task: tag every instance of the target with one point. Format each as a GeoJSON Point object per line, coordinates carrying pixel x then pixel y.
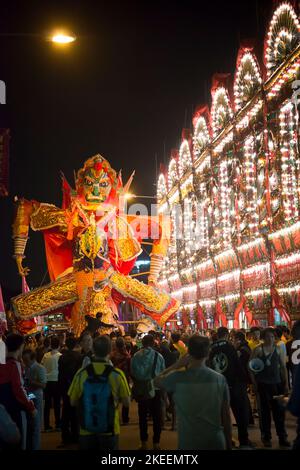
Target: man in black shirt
{"type": "Point", "coordinates": [68, 364]}
{"type": "Point", "coordinates": [244, 352]}
{"type": "Point", "coordinates": [224, 359]}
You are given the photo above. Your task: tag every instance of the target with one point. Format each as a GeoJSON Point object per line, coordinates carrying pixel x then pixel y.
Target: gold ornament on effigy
{"type": "Point", "coordinates": [45, 299]}
{"type": "Point", "coordinates": [48, 216]}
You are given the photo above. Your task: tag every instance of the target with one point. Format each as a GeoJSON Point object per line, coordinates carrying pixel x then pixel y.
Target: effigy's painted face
{"type": "Point", "coordinates": [96, 183]}
{"type": "Point", "coordinates": [96, 186]}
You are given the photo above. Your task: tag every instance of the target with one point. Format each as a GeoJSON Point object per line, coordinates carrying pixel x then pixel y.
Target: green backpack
{"type": "Point", "coordinates": [144, 389]}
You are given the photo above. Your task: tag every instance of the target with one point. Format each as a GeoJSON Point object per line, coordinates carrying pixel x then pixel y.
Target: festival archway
{"type": "Point", "coordinates": [221, 111]}
{"type": "Point", "coordinates": [282, 37]}
{"type": "Point", "coordinates": [172, 174]}
{"type": "Point", "coordinates": [247, 78]}
{"type": "Point", "coordinates": [185, 158]}
{"type": "Point", "coordinates": [201, 136]}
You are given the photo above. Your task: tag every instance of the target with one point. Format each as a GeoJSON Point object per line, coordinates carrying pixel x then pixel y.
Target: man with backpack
{"type": "Point", "coordinates": [147, 364]}
{"type": "Point", "coordinates": [97, 391]}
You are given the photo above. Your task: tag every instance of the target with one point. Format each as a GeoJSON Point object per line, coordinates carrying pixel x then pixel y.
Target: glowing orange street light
{"type": "Point", "coordinates": [61, 38]}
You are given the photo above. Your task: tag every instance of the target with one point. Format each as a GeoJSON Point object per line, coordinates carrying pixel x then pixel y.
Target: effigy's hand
{"type": "Point", "coordinates": [152, 281]}
{"type": "Point", "coordinates": [23, 271]}
{"type": "Point", "coordinates": [106, 217]}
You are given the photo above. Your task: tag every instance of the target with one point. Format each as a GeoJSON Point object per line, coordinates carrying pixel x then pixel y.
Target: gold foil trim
{"type": "Point", "coordinates": [45, 299]}
{"type": "Point", "coordinates": [47, 216]}
{"type": "Point", "coordinates": [152, 299]}
{"type": "Point", "coordinates": [126, 244]}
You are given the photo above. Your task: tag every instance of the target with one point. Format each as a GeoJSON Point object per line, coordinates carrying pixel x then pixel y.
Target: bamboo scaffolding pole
{"type": "Point", "coordinates": [140, 274]}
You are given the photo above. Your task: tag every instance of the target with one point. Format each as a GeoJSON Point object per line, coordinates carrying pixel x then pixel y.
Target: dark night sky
{"type": "Point", "coordinates": [125, 89]}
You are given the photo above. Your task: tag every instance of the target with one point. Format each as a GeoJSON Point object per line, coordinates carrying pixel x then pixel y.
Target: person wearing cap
{"type": "Point", "coordinates": [254, 339]}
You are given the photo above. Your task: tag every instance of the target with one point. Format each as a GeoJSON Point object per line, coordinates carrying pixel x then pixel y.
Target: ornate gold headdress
{"type": "Point", "coordinates": [100, 165]}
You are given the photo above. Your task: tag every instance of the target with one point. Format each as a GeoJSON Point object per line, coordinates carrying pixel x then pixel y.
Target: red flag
{"type": "Point", "coordinates": [278, 303]}
{"type": "Point", "coordinates": [220, 315]}
{"type": "Point", "coordinates": [224, 320]}
{"type": "Point", "coordinates": [249, 314]}
{"type": "Point", "coordinates": [201, 318]}
{"type": "Point", "coordinates": [25, 287]}
{"type": "Point", "coordinates": [184, 316]}
{"type": "Point", "coordinates": [271, 319]}
{"type": "Point", "coordinates": [284, 314]}
{"type": "Point", "coordinates": [236, 323]}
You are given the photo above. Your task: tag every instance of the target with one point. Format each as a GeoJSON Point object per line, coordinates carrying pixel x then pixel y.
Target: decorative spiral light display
{"type": "Point", "coordinates": [237, 183]}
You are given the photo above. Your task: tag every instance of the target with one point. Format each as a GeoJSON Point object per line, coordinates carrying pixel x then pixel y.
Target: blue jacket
{"type": "Point", "coordinates": [142, 364]}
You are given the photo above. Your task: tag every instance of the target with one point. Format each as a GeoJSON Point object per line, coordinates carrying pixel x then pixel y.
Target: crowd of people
{"type": "Point", "coordinates": [194, 380]}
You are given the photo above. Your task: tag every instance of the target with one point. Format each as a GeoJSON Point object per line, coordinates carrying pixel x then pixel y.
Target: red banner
{"type": "Point", "coordinates": [201, 319]}
{"type": "Point", "coordinates": [278, 303]}
{"type": "Point", "coordinates": [239, 308]}
{"type": "Point", "coordinates": [25, 287]}
{"type": "Point", "coordinates": [184, 317]}
{"type": "Point", "coordinates": [249, 315]}
{"type": "Point", "coordinates": [220, 318]}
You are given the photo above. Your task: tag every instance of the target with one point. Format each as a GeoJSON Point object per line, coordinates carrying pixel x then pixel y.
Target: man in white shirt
{"type": "Point", "coordinates": [50, 362]}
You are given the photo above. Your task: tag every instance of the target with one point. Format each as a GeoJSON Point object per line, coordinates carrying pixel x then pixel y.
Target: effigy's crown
{"type": "Point", "coordinates": [100, 166]}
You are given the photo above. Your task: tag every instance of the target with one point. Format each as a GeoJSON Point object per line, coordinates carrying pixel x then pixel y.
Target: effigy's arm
{"type": "Point", "coordinates": [158, 228]}
{"type": "Point", "coordinates": [160, 245]}
{"type": "Point", "coordinates": [37, 216]}
{"type": "Point", "coordinates": [20, 228]}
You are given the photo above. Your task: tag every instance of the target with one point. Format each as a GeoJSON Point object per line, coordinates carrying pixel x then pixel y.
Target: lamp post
{"type": "Point", "coordinates": [139, 196]}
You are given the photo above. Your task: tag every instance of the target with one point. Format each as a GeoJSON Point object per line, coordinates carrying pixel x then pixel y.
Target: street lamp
{"type": "Point", "coordinates": [61, 38]}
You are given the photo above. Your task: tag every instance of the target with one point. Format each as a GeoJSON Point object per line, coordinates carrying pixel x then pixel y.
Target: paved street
{"type": "Point", "coordinates": [129, 439]}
